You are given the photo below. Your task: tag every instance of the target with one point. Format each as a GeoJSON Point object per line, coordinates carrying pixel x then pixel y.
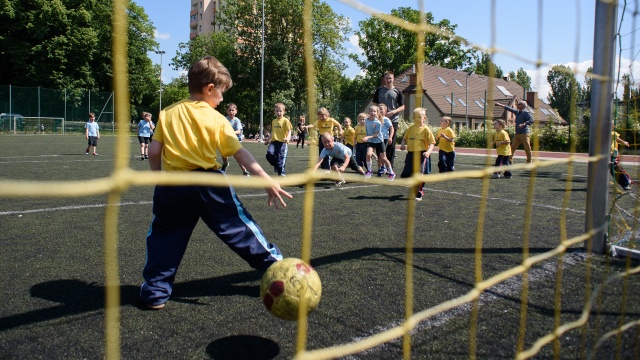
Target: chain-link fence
{"type": "Point", "coordinates": [42, 102]}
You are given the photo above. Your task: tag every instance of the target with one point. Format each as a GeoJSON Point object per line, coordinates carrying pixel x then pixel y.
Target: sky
{"type": "Point", "coordinates": [553, 31]}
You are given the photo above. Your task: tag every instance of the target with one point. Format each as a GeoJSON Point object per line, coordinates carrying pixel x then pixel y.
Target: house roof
{"type": "Point", "coordinates": [443, 86]}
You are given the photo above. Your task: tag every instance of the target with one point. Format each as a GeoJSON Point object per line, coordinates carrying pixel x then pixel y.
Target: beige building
{"type": "Point", "coordinates": [202, 17]}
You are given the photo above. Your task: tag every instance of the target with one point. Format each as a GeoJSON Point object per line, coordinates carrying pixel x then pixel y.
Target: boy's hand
{"type": "Point", "coordinates": [402, 147]}
{"type": "Point", "coordinates": [274, 193]}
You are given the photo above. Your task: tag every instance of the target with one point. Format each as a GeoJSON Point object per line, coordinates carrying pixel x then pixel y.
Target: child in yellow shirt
{"type": "Point", "coordinates": [503, 148]}
{"type": "Point", "coordinates": [419, 141]}
{"type": "Point", "coordinates": [446, 145]}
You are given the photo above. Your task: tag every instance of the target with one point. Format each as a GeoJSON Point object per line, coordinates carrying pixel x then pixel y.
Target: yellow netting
{"type": "Point", "coordinates": [123, 177]}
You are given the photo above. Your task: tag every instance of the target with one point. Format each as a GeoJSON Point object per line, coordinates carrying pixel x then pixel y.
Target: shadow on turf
{"type": "Point", "coordinates": [241, 347]}
{"type": "Point", "coordinates": [77, 297]}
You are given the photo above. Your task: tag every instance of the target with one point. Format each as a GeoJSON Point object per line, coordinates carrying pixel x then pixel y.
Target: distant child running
{"type": "Point", "coordinates": [618, 173]}
{"type": "Point", "coordinates": [375, 144]}
{"type": "Point", "coordinates": [419, 142]}
{"type": "Point", "coordinates": [446, 145]}
{"type": "Point", "coordinates": [280, 136]}
{"type": "Point", "coordinates": [236, 124]}
{"type": "Point", "coordinates": [302, 131]}
{"type": "Point", "coordinates": [145, 129]}
{"type": "Point", "coordinates": [188, 136]}
{"type": "Point", "coordinates": [388, 133]}
{"type": "Point", "coordinates": [361, 144]}
{"type": "Point", "coordinates": [350, 142]}
{"type": "Point", "coordinates": [503, 148]}
{"type": "Point", "coordinates": [92, 134]}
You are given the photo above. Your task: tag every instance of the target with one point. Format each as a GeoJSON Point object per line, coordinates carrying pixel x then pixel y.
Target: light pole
{"type": "Point", "coordinates": [262, 79]}
{"type": "Point", "coordinates": [466, 98]}
{"type": "Point", "coordinates": [160, 53]}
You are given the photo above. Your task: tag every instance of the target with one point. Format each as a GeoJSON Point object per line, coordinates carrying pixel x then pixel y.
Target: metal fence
{"type": "Point", "coordinates": [43, 102]}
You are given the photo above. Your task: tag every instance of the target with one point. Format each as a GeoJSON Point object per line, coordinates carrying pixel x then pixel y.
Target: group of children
{"type": "Point", "coordinates": [191, 133]}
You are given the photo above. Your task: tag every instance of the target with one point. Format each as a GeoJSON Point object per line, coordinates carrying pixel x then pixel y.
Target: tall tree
{"type": "Point", "coordinates": [284, 52]}
{"type": "Point", "coordinates": [389, 47]}
{"type": "Point", "coordinates": [484, 66]}
{"type": "Point", "coordinates": [521, 78]}
{"type": "Point", "coordinates": [565, 91]}
{"type": "Point", "coordinates": [67, 44]}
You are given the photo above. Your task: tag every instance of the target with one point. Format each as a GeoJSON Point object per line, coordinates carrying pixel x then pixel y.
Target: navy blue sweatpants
{"type": "Point", "coordinates": [277, 156]}
{"type": "Point", "coordinates": [176, 211]}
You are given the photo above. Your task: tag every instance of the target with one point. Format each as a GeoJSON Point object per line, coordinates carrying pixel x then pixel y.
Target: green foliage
{"type": "Point", "coordinates": [553, 138]}
{"type": "Point", "coordinates": [474, 138]}
{"type": "Point", "coordinates": [484, 66]}
{"type": "Point", "coordinates": [67, 45]}
{"type": "Point", "coordinates": [521, 78]}
{"type": "Point", "coordinates": [388, 46]}
{"type": "Point", "coordinates": [565, 92]}
{"type": "Point", "coordinates": [240, 52]}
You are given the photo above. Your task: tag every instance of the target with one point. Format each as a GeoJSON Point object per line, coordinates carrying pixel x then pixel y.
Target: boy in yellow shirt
{"type": "Point", "coordinates": [503, 148]}
{"type": "Point", "coordinates": [361, 145]}
{"type": "Point", "coordinates": [419, 141]}
{"type": "Point", "coordinates": [280, 134]}
{"type": "Point", "coordinates": [187, 138]}
{"type": "Point", "coordinates": [446, 145]}
{"type": "Point", "coordinates": [325, 123]}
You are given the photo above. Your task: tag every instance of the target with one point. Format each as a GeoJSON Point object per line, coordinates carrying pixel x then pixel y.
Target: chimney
{"type": "Point", "coordinates": [413, 79]}
{"type": "Point", "coordinates": [532, 99]}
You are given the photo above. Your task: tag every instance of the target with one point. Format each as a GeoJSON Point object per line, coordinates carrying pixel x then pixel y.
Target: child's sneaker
{"type": "Point", "coordinates": [507, 176]}
{"type": "Point", "coordinates": [339, 183]}
{"type": "Point", "coordinates": [246, 173]}
{"type": "Point", "coordinates": [367, 174]}
{"type": "Point", "coordinates": [141, 157]}
{"type": "Point", "coordinates": [419, 195]}
{"type": "Point", "coordinates": [495, 176]}
{"type": "Point", "coordinates": [392, 176]}
{"type": "Point", "coordinates": [382, 171]}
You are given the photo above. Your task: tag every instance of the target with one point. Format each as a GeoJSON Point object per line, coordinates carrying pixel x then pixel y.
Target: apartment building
{"type": "Point", "coordinates": [202, 17]}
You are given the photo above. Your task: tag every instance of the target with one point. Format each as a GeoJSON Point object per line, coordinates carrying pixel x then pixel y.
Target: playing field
{"type": "Point", "coordinates": [52, 266]}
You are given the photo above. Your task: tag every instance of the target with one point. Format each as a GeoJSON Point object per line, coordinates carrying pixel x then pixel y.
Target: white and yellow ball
{"type": "Point", "coordinates": [286, 283]}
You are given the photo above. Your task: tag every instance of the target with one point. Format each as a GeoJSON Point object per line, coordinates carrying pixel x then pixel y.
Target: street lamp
{"type": "Point", "coordinates": [160, 53]}
{"type": "Point", "coordinates": [466, 98]}
{"type": "Point", "coordinates": [262, 79]}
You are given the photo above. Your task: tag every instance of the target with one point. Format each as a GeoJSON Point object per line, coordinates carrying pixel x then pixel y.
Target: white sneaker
{"type": "Point", "coordinates": [339, 183]}
{"type": "Point", "coordinates": [495, 176]}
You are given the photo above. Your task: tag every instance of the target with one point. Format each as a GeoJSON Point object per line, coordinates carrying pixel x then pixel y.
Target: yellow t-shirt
{"type": "Point", "coordinates": [418, 138]}
{"type": "Point", "coordinates": [504, 149]}
{"type": "Point", "coordinates": [350, 136]}
{"type": "Point", "coordinates": [192, 133]}
{"type": "Point", "coordinates": [361, 132]}
{"type": "Point", "coordinates": [443, 144]}
{"type": "Point", "coordinates": [614, 143]}
{"type": "Point", "coordinates": [280, 129]}
{"type": "Point", "coordinates": [325, 126]}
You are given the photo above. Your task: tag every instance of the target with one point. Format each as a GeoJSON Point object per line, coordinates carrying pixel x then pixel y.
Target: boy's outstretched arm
{"type": "Point", "coordinates": [274, 191]}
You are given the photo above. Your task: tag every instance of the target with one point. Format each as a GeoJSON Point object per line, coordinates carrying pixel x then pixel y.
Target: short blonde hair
{"type": "Point", "coordinates": [280, 106]}
{"type": "Point", "coordinates": [501, 122]}
{"type": "Point", "coordinates": [362, 116]}
{"type": "Point", "coordinates": [447, 119]}
{"type": "Point", "coordinates": [417, 113]}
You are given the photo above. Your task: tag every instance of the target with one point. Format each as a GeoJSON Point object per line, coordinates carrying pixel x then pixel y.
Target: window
{"type": "Point", "coordinates": [544, 111]}
{"type": "Point", "coordinates": [193, 18]}
{"type": "Point", "coordinates": [200, 28]}
{"type": "Point", "coordinates": [404, 79]}
{"type": "Point", "coordinates": [462, 102]}
{"type": "Point", "coordinates": [201, 16]}
{"type": "Point", "coordinates": [442, 80]}
{"type": "Point", "coordinates": [458, 82]}
{"type": "Point", "coordinates": [479, 104]}
{"type": "Point", "coordinates": [448, 99]}
{"type": "Point", "coordinates": [504, 90]}
{"type": "Point", "coordinates": [200, 4]}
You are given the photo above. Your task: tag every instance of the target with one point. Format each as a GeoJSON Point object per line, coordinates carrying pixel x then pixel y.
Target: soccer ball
{"type": "Point", "coordinates": [286, 283]}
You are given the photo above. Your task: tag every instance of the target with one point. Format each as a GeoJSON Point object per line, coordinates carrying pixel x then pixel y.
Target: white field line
{"type": "Point", "coordinates": [512, 287]}
{"type": "Point", "coordinates": [342, 188]}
